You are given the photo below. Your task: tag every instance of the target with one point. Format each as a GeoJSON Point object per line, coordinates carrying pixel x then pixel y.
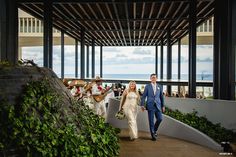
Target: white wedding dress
{"type": "Point", "coordinates": [130, 109]}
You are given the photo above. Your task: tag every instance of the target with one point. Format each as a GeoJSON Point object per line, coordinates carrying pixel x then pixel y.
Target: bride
{"type": "Point", "coordinates": [129, 104]}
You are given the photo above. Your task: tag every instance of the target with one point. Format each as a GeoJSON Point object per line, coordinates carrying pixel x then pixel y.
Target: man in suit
{"type": "Point", "coordinates": [155, 104]}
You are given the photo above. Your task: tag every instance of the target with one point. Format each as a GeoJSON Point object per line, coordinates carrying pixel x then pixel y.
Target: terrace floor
{"type": "Point", "coordinates": [164, 147]}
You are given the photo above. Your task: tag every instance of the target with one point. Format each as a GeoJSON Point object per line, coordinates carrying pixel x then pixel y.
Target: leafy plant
{"type": "Point", "coordinates": [5, 64]}
{"type": "Point", "coordinates": [39, 126]}
{"type": "Point", "coordinates": [215, 131]}
{"type": "Point", "coordinates": [100, 136]}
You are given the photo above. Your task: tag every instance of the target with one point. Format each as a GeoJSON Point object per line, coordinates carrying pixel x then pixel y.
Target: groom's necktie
{"type": "Point", "coordinates": [154, 88]}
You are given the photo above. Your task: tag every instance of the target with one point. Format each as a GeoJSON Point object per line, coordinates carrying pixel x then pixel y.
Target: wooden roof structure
{"type": "Point", "coordinates": [122, 22]}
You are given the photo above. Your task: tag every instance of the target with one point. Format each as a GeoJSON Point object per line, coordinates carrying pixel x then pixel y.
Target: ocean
{"type": "Point", "coordinates": [199, 77]}
{"type": "Point", "coordinates": [204, 77]}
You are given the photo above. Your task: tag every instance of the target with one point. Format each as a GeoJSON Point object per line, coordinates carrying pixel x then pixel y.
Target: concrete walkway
{"type": "Point", "coordinates": [163, 147]}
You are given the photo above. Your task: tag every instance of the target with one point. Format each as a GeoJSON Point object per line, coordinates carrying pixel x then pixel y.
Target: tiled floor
{"type": "Point", "coordinates": [163, 147]}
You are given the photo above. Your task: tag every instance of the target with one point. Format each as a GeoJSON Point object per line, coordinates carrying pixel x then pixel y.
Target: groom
{"type": "Point", "coordinates": [154, 105]}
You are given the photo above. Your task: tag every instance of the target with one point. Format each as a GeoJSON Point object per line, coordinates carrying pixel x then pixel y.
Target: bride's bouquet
{"type": "Point", "coordinates": [120, 115]}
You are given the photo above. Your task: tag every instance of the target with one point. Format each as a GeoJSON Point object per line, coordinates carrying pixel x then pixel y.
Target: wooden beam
{"type": "Point", "coordinates": [175, 13]}
{"type": "Point", "coordinates": [173, 17]}
{"type": "Point", "coordinates": [182, 13]}
{"type": "Point", "coordinates": [157, 17]}
{"type": "Point", "coordinates": [150, 15]}
{"type": "Point", "coordinates": [140, 27]}
{"type": "Point", "coordinates": [206, 6]}
{"type": "Point", "coordinates": [94, 14]}
{"type": "Point", "coordinates": [117, 17]}
{"type": "Point", "coordinates": [168, 11]}
{"type": "Point", "coordinates": [134, 15]}
{"type": "Point", "coordinates": [122, 19]}
{"type": "Point", "coordinates": [88, 35]}
{"type": "Point", "coordinates": [127, 20]}
{"type": "Point", "coordinates": [102, 2]}
{"type": "Point", "coordinates": [57, 12]}
{"type": "Point", "coordinates": [126, 30]}
{"type": "Point", "coordinates": [76, 26]}
{"type": "Point", "coordinates": [99, 8]}
{"type": "Point", "coordinates": [110, 14]}
{"type": "Point", "coordinates": [170, 23]}
{"type": "Point", "coordinates": [97, 35]}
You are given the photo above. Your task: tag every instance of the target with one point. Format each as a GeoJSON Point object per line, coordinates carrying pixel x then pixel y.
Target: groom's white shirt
{"type": "Point", "coordinates": [154, 87]}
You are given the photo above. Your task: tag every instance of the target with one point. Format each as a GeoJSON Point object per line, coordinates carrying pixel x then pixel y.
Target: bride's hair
{"type": "Point", "coordinates": [135, 88]}
{"type": "Point", "coordinates": [126, 92]}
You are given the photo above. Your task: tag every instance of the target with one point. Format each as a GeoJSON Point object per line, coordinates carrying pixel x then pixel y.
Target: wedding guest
{"type": "Point", "coordinates": [74, 91]}
{"type": "Point", "coordinates": [109, 95]}
{"type": "Point", "coordinates": [97, 89]}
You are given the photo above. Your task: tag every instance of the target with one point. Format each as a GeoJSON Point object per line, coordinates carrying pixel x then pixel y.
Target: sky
{"type": "Point", "coordinates": [125, 60]}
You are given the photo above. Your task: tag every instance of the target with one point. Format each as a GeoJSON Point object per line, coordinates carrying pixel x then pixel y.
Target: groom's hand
{"type": "Point", "coordinates": [143, 108]}
{"type": "Point", "coordinates": [163, 109]}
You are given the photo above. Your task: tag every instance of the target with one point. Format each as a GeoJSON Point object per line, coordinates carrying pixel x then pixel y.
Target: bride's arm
{"type": "Point", "coordinates": [123, 97]}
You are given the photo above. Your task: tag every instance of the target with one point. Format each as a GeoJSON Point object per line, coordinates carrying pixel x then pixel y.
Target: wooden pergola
{"type": "Point", "coordinates": [121, 22]}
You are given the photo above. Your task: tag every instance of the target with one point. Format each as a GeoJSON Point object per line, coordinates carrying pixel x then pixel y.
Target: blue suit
{"type": "Point", "coordinates": [154, 105]}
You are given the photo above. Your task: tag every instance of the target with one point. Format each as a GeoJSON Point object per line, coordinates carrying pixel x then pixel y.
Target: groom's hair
{"type": "Point", "coordinates": [153, 75]}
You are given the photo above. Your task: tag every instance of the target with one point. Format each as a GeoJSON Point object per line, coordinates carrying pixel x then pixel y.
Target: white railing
{"type": "Point", "coordinates": [30, 26]}
{"type": "Point", "coordinates": [206, 28]}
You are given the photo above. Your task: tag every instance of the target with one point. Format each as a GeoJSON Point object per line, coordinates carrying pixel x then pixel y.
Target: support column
{"type": "Point", "coordinates": [19, 52]}
{"type": "Point", "coordinates": [156, 61]}
{"type": "Point", "coordinates": [76, 58]}
{"type": "Point", "coordinates": [87, 67]}
{"type": "Point", "coordinates": [161, 59]}
{"type": "Point", "coordinates": [62, 54]}
{"type": "Point", "coordinates": [82, 55]}
{"type": "Point", "coordinates": [3, 32]}
{"type": "Point", "coordinates": [47, 34]}
{"type": "Point", "coordinates": [216, 54]}
{"type": "Point", "coordinates": [224, 49]}
{"type": "Point", "coordinates": [179, 62]}
{"type": "Point", "coordinates": [8, 31]}
{"type": "Point", "coordinates": [93, 58]}
{"type": "Point", "coordinates": [169, 61]}
{"type": "Point", "coordinates": [101, 56]}
{"type": "Point", "coordinates": [233, 52]}
{"type": "Point", "coordinates": [192, 49]}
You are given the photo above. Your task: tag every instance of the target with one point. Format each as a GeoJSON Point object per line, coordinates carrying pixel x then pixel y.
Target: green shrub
{"type": "Point", "coordinates": [5, 64]}
{"type": "Point", "coordinates": [215, 131]}
{"type": "Point", "coordinates": [40, 126]}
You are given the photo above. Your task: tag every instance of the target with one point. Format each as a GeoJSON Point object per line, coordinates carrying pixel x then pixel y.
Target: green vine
{"type": "Point", "coordinates": [215, 131]}
{"type": "Point", "coordinates": [102, 138]}
{"type": "Point", "coordinates": [38, 126]}
{"type": "Point", "coordinates": [5, 64]}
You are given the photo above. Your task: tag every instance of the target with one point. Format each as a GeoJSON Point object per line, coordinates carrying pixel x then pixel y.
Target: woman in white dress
{"type": "Point", "coordinates": [129, 104]}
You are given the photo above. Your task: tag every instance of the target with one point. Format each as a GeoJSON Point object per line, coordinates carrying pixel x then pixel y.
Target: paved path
{"type": "Point", "coordinates": [164, 147]}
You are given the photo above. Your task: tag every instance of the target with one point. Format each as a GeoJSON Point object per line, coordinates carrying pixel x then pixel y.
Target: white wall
{"type": "Point", "coordinates": [169, 127]}
{"type": "Point", "coordinates": [216, 111]}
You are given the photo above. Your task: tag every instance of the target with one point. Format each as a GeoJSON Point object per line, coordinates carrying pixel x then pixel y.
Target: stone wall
{"type": "Point", "coordinates": [14, 78]}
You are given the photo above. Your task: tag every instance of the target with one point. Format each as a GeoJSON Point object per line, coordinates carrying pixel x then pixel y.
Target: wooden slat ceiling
{"type": "Point", "coordinates": [122, 23]}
